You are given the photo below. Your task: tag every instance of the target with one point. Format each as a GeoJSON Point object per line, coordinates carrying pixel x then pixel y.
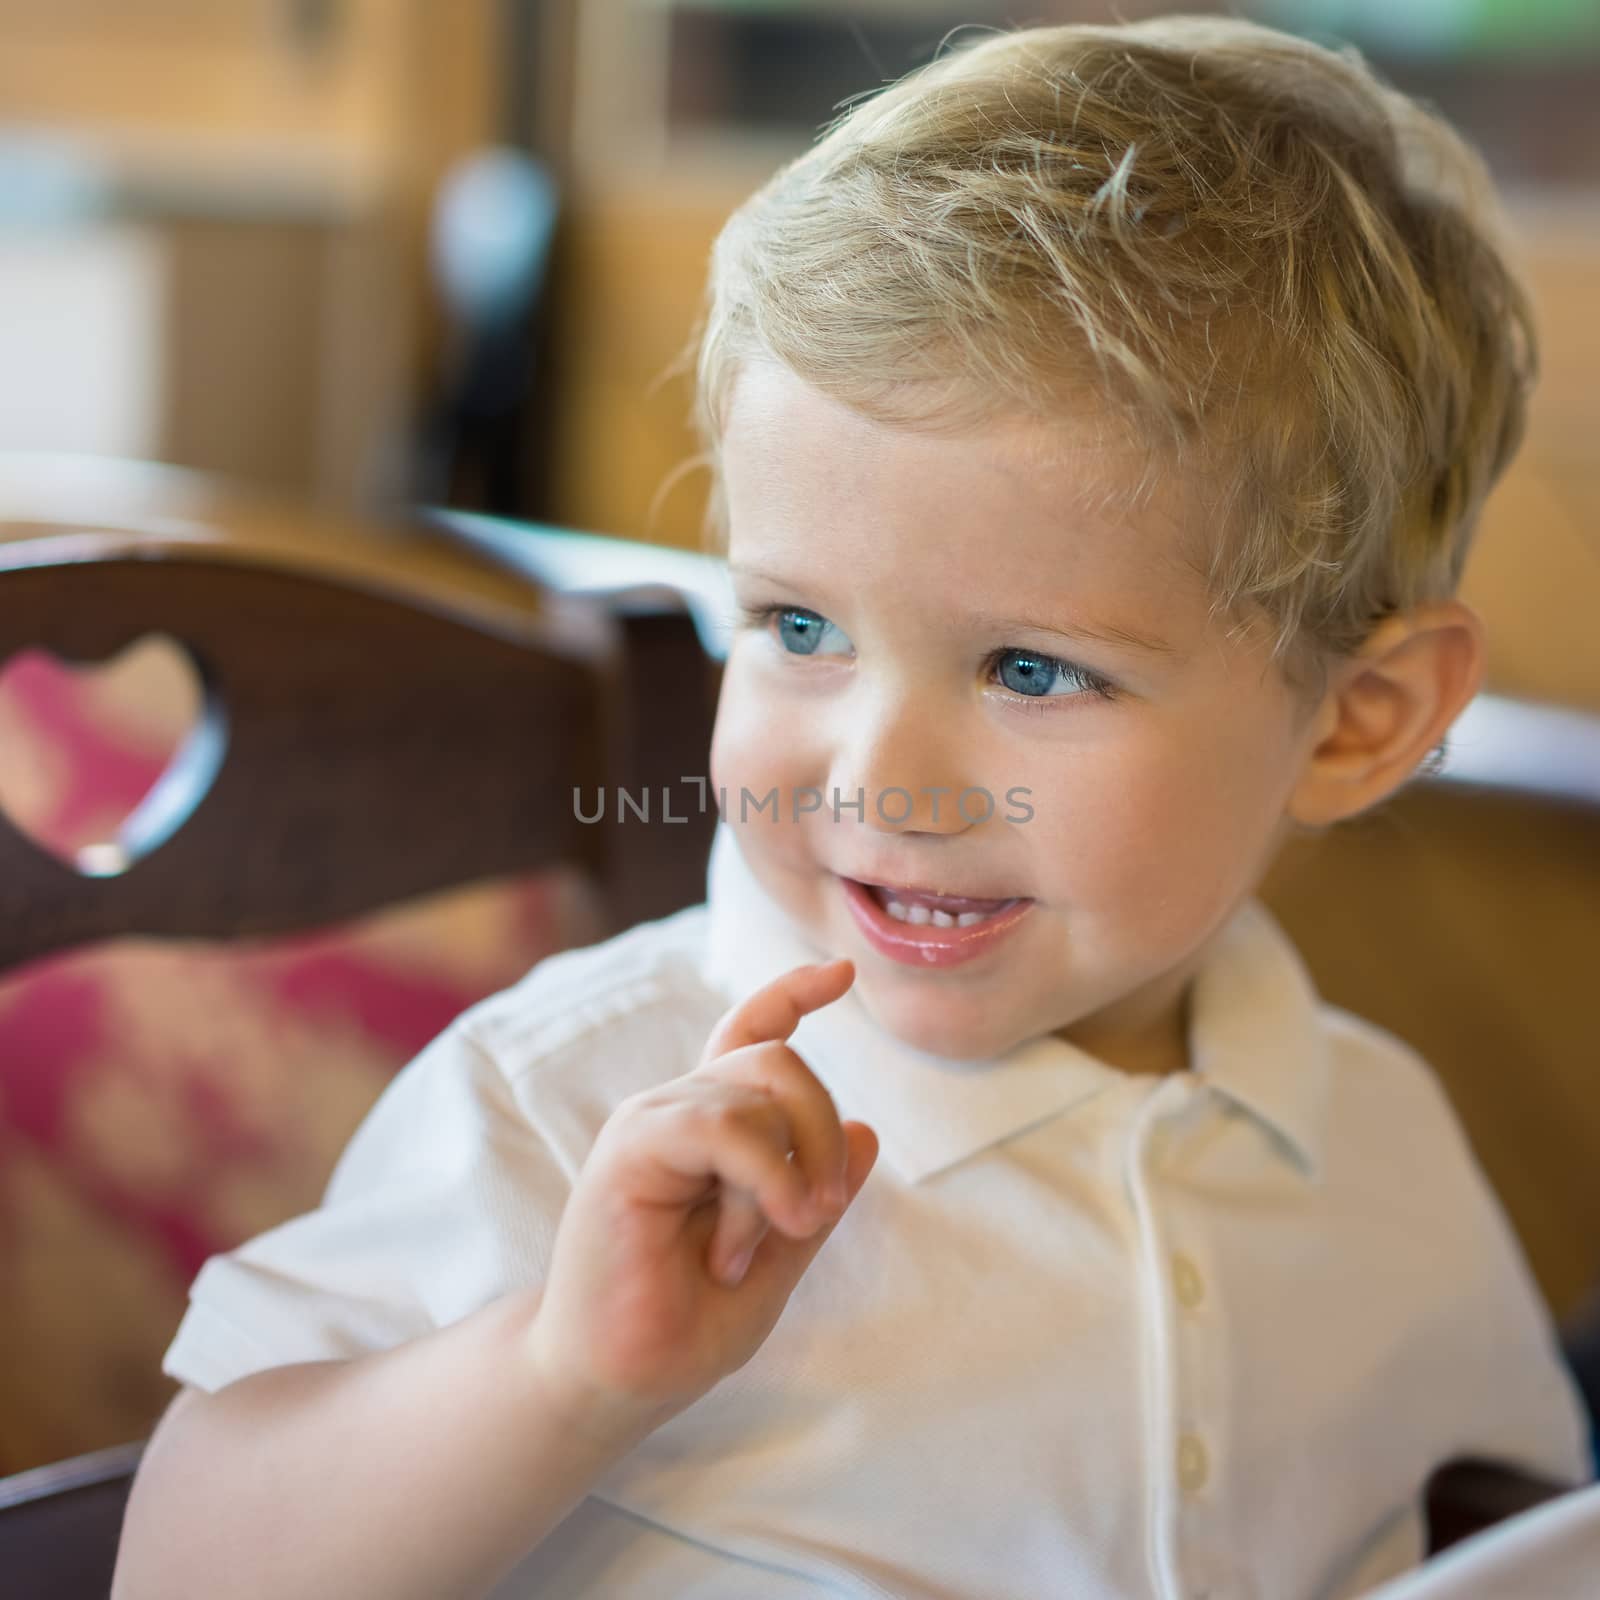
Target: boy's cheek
{"type": "Point", "coordinates": [754, 746]}
{"type": "Point", "coordinates": [725, 732]}
{"type": "Point", "coordinates": [730, 763]}
{"type": "Point", "coordinates": [741, 763]}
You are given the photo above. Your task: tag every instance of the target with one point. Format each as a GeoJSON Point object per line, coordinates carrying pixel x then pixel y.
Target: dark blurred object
{"type": "Point", "coordinates": [1583, 1351]}
{"type": "Point", "coordinates": [493, 226]}
{"type": "Point", "coordinates": [60, 1525]}
{"type": "Point", "coordinates": [1465, 1497]}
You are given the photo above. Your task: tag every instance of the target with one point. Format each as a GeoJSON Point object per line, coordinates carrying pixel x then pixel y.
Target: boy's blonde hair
{"type": "Point", "coordinates": [1271, 268]}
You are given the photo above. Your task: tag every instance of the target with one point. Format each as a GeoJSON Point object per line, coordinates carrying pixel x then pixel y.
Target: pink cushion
{"type": "Point", "coordinates": [163, 1100]}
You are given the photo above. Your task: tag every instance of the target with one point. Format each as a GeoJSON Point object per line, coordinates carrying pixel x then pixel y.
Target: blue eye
{"type": "Point", "coordinates": [803, 633]}
{"type": "Point", "coordinates": [1026, 672]}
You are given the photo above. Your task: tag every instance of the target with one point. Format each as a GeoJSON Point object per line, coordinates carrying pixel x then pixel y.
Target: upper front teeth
{"type": "Point", "coordinates": [922, 915]}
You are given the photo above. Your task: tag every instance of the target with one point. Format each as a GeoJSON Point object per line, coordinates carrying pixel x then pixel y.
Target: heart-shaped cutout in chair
{"type": "Point", "coordinates": [101, 763]}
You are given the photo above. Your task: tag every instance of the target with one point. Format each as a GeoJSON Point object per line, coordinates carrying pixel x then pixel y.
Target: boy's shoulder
{"type": "Point", "coordinates": [1370, 1060]}
{"type": "Point", "coordinates": [647, 984]}
{"type": "Point", "coordinates": [1390, 1100]}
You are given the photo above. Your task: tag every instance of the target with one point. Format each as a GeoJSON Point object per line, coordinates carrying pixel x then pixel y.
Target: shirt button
{"type": "Point", "coordinates": [1192, 1466]}
{"type": "Point", "coordinates": [1188, 1282]}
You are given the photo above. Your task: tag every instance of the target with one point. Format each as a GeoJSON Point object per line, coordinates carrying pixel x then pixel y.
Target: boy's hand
{"type": "Point", "coordinates": [644, 1309]}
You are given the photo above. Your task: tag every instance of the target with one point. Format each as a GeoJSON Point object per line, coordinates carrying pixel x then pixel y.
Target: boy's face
{"type": "Point", "coordinates": [923, 598]}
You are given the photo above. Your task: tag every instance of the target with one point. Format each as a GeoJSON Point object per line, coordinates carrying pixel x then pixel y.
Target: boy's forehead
{"type": "Point", "coordinates": [766, 398]}
{"type": "Point", "coordinates": [1079, 453]}
{"type": "Point", "coordinates": [792, 453]}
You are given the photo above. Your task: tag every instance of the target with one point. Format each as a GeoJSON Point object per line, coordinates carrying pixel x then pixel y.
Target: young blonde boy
{"type": "Point", "coordinates": [974, 1198]}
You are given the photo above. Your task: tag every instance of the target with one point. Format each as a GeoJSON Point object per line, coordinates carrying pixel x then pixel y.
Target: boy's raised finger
{"type": "Point", "coordinates": [774, 1012]}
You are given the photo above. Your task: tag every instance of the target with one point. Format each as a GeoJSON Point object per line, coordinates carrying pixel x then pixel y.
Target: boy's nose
{"type": "Point", "coordinates": [908, 777]}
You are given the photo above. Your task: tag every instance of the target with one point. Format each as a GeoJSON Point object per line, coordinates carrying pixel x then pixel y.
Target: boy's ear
{"type": "Point", "coordinates": [1385, 707]}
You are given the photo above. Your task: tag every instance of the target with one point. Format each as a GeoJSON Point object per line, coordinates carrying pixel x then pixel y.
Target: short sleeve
{"type": "Point", "coordinates": [445, 1198]}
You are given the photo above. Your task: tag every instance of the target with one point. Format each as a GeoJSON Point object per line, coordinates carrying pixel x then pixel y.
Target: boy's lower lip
{"type": "Point", "coordinates": [922, 944]}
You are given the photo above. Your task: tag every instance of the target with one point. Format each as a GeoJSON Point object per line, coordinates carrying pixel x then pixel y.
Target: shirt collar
{"type": "Point", "coordinates": [1255, 1037]}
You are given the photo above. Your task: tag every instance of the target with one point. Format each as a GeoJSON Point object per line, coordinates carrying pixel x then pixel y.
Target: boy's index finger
{"type": "Point", "coordinates": [774, 1012]}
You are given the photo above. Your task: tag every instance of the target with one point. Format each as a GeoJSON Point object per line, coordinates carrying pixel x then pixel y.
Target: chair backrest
{"type": "Point", "coordinates": [373, 729]}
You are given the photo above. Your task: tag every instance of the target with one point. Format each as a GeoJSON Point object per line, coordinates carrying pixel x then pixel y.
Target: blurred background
{"type": "Point", "coordinates": [353, 255]}
{"type": "Point", "coordinates": [362, 250]}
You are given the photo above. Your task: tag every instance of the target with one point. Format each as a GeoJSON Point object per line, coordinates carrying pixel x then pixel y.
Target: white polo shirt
{"type": "Point", "coordinates": [1082, 1334]}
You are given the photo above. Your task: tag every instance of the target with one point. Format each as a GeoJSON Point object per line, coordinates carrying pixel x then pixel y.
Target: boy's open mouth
{"type": "Point", "coordinates": [924, 908]}
{"type": "Point", "coordinates": [924, 928]}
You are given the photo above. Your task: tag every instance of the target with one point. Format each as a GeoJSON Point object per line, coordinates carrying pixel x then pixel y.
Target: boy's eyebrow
{"type": "Point", "coordinates": [1112, 633]}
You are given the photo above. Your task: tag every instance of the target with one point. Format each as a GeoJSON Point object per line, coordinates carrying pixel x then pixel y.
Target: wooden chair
{"type": "Point", "coordinates": [384, 716]}
{"type": "Point", "coordinates": [359, 691]}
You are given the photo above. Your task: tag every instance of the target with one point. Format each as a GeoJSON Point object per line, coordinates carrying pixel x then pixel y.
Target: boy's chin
{"type": "Point", "coordinates": [947, 1025]}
